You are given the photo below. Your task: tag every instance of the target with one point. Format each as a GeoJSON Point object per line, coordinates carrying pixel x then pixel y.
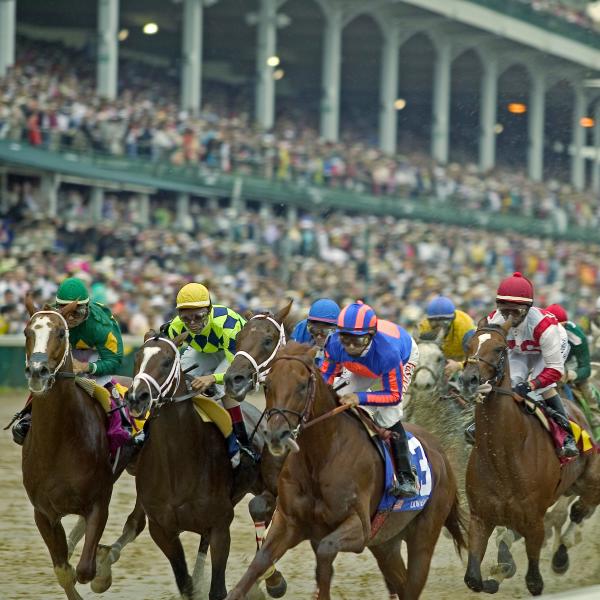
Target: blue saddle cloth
{"type": "Point", "coordinates": [420, 463]}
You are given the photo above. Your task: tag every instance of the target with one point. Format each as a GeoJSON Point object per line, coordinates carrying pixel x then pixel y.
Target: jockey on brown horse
{"type": "Point", "coordinates": [95, 337]}
{"type": "Point", "coordinates": [537, 349]}
{"type": "Point", "coordinates": [370, 350]}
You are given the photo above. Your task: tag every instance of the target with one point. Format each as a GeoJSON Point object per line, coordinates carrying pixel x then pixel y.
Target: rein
{"type": "Point", "coordinates": [262, 370]}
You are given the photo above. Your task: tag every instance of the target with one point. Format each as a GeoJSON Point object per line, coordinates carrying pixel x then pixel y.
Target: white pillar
{"type": "Point", "coordinates": [108, 48]}
{"type": "Point", "coordinates": [596, 165]}
{"type": "Point", "coordinates": [292, 217]}
{"type": "Point", "coordinates": [578, 139]}
{"type": "Point", "coordinates": [266, 47]}
{"type": "Point", "coordinates": [441, 102]}
{"type": "Point", "coordinates": [49, 184]}
{"type": "Point", "coordinates": [8, 22]}
{"type": "Point", "coordinates": [332, 69]}
{"type": "Point", "coordinates": [191, 56]}
{"type": "Point", "coordinates": [183, 209]}
{"type": "Point", "coordinates": [97, 204]}
{"type": "Point", "coordinates": [537, 112]}
{"type": "Point", "coordinates": [144, 209]}
{"type": "Point", "coordinates": [488, 114]}
{"type": "Point", "coordinates": [388, 92]}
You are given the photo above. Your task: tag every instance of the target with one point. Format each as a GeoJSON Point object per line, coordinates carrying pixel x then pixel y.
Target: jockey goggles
{"type": "Point", "coordinates": [193, 315]}
{"type": "Point", "coordinates": [351, 339]}
{"type": "Point", "coordinates": [320, 327]}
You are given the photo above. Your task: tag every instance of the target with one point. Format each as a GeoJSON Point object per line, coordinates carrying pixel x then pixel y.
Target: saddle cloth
{"type": "Point", "coordinates": [211, 412]}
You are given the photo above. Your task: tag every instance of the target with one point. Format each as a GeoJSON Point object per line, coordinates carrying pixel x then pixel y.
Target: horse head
{"type": "Point", "coordinates": [487, 358]}
{"type": "Point", "coordinates": [256, 345]}
{"type": "Point", "coordinates": [157, 372]}
{"type": "Point", "coordinates": [47, 347]}
{"type": "Point", "coordinates": [290, 391]}
{"type": "Point", "coordinates": [429, 374]}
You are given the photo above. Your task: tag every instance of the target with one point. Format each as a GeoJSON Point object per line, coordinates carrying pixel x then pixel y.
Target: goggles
{"type": "Point", "coordinates": [350, 339]}
{"type": "Point", "coordinates": [193, 315]}
{"type": "Point", "coordinates": [320, 328]}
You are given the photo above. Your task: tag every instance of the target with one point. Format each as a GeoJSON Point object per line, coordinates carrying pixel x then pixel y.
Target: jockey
{"type": "Point", "coordinates": [578, 359]}
{"type": "Point", "coordinates": [95, 339]}
{"type": "Point", "coordinates": [321, 322]}
{"type": "Point", "coordinates": [212, 330]}
{"type": "Point", "coordinates": [369, 350]}
{"type": "Point", "coordinates": [537, 349]}
{"type": "Point", "coordinates": [458, 327]}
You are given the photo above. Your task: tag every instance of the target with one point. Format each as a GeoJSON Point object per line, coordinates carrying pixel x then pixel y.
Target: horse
{"type": "Point", "coordinates": [66, 459]}
{"type": "Point", "coordinates": [184, 481]}
{"type": "Point", "coordinates": [330, 489]}
{"type": "Point", "coordinates": [514, 475]}
{"type": "Point", "coordinates": [256, 346]}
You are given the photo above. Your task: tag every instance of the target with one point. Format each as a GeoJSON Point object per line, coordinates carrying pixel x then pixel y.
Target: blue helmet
{"type": "Point", "coordinates": [324, 310]}
{"type": "Point", "coordinates": [441, 308]}
{"type": "Point", "coordinates": [357, 318]}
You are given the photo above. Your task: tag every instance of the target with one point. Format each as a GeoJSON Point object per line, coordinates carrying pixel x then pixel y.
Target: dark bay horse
{"type": "Point", "coordinates": [184, 477]}
{"type": "Point", "coordinates": [514, 475]}
{"type": "Point", "coordinates": [66, 459]}
{"type": "Point", "coordinates": [330, 489]}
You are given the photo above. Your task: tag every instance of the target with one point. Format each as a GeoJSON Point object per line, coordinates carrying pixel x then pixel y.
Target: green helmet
{"type": "Point", "coordinates": [72, 289]}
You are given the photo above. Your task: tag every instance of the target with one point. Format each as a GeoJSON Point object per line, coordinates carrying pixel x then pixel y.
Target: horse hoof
{"type": "Point", "coordinates": [100, 584]}
{"type": "Point", "coordinates": [535, 586]}
{"type": "Point", "coordinates": [490, 586]}
{"type": "Point", "coordinates": [476, 585]}
{"type": "Point", "coordinates": [560, 560]}
{"type": "Point", "coordinates": [278, 589]}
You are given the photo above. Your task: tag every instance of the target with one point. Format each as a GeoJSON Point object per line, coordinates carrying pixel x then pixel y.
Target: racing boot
{"type": "Point", "coordinates": [21, 427]}
{"type": "Point", "coordinates": [569, 448]}
{"type": "Point", "coordinates": [404, 485]}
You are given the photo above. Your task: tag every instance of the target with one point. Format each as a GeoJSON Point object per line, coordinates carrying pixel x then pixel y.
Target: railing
{"type": "Point", "coordinates": [543, 20]}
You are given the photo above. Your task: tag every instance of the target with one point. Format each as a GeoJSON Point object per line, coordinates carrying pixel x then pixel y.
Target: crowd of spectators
{"type": "Point", "coordinates": [254, 260]}
{"type": "Point", "coordinates": [573, 11]}
{"type": "Point", "coordinates": [49, 100]}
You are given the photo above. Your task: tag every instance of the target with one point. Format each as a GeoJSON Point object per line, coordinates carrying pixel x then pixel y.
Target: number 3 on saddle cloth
{"type": "Point", "coordinates": [420, 465]}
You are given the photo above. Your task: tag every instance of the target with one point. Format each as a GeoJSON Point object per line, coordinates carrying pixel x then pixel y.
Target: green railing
{"type": "Point", "coordinates": [543, 20]}
{"type": "Point", "coordinates": [164, 176]}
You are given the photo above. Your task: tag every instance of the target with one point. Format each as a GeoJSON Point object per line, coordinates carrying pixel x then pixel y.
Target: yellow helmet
{"type": "Point", "coordinates": [193, 295]}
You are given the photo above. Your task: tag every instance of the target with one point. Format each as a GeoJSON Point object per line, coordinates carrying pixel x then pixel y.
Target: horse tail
{"type": "Point", "coordinates": [455, 524]}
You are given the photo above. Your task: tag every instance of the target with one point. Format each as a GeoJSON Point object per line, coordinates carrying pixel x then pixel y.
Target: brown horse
{"type": "Point", "coordinates": [184, 480]}
{"type": "Point", "coordinates": [514, 475]}
{"type": "Point", "coordinates": [330, 489]}
{"type": "Point", "coordinates": [66, 459]}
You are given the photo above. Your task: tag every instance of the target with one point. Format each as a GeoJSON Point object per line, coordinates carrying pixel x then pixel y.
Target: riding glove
{"type": "Point", "coordinates": [523, 388]}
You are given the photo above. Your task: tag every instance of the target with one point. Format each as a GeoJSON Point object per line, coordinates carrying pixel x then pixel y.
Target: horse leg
{"type": "Point", "coordinates": [534, 538]}
{"type": "Point", "coordinates": [75, 535]}
{"type": "Point", "coordinates": [108, 555]}
{"type": "Point", "coordinates": [282, 536]}
{"type": "Point", "coordinates": [220, 542]}
{"type": "Point", "coordinates": [95, 522]}
{"type": "Point", "coordinates": [348, 537]}
{"type": "Point", "coordinates": [479, 534]}
{"type": "Point", "coordinates": [55, 539]}
{"type": "Point", "coordinates": [391, 564]}
{"type": "Point", "coordinates": [261, 509]}
{"type": "Point", "coordinates": [198, 574]}
{"type": "Point", "coordinates": [171, 547]}
{"type": "Point", "coordinates": [572, 535]}
{"type": "Point", "coordinates": [505, 567]}
{"type": "Point", "coordinates": [555, 519]}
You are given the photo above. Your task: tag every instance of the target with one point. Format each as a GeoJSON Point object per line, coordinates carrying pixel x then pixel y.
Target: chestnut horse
{"type": "Point", "coordinates": [329, 491]}
{"type": "Point", "coordinates": [66, 459]}
{"type": "Point", "coordinates": [514, 475]}
{"type": "Point", "coordinates": [184, 479]}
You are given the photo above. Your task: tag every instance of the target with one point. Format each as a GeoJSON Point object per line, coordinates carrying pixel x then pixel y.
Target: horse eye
{"type": "Point", "coordinates": [61, 334]}
{"type": "Point", "coordinates": [268, 342]}
{"type": "Point", "coordinates": [166, 363]}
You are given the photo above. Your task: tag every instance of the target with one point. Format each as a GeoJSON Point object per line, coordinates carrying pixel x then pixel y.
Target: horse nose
{"type": "Point", "coordinates": [235, 382]}
{"type": "Point", "coordinates": [470, 381]}
{"type": "Point", "coordinates": [37, 370]}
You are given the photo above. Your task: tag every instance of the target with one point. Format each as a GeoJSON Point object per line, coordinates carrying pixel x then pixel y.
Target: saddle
{"type": "Point", "coordinates": [212, 412]}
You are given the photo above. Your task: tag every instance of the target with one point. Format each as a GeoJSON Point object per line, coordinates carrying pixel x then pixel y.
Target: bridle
{"type": "Point", "coordinates": [261, 370]}
{"type": "Point", "coordinates": [304, 416]}
{"type": "Point", "coordinates": [43, 356]}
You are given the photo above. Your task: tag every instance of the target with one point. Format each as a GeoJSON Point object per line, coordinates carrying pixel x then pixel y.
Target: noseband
{"type": "Point", "coordinates": [43, 356]}
{"type": "Point", "coordinates": [261, 370]}
{"type": "Point", "coordinates": [304, 416]}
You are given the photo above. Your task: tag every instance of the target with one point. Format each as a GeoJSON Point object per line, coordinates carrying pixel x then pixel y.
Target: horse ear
{"type": "Point", "coordinates": [247, 314]}
{"type": "Point", "coordinates": [312, 353]}
{"type": "Point", "coordinates": [64, 310]}
{"type": "Point", "coordinates": [482, 322]}
{"type": "Point", "coordinates": [181, 338]}
{"type": "Point", "coordinates": [149, 334]}
{"type": "Point", "coordinates": [283, 313]}
{"type": "Point", "coordinates": [29, 304]}
{"type": "Point", "coordinates": [439, 338]}
{"type": "Point", "coordinates": [507, 324]}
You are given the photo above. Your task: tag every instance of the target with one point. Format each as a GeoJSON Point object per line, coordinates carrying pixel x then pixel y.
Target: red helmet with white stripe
{"type": "Point", "coordinates": [516, 289]}
{"type": "Point", "coordinates": [559, 312]}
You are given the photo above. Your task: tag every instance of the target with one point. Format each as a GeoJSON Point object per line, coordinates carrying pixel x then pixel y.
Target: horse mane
{"type": "Point", "coordinates": [294, 350]}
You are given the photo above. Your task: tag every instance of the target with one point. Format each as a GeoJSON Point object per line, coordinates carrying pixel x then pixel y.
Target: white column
{"type": "Point", "coordinates": [596, 165]}
{"type": "Point", "coordinates": [488, 114]}
{"type": "Point", "coordinates": [144, 209]}
{"type": "Point", "coordinates": [183, 209]}
{"type": "Point", "coordinates": [191, 55]}
{"type": "Point", "coordinates": [388, 92]}
{"type": "Point", "coordinates": [578, 139]}
{"type": "Point", "coordinates": [108, 48]}
{"type": "Point", "coordinates": [441, 102]}
{"type": "Point", "coordinates": [97, 204]}
{"type": "Point", "coordinates": [292, 217]}
{"type": "Point", "coordinates": [8, 22]}
{"type": "Point", "coordinates": [536, 119]}
{"type": "Point", "coordinates": [266, 47]}
{"type": "Point", "coordinates": [50, 182]}
{"type": "Point", "coordinates": [332, 69]}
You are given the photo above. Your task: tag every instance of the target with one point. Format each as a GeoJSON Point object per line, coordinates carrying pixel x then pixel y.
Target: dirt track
{"type": "Point", "coordinates": [143, 573]}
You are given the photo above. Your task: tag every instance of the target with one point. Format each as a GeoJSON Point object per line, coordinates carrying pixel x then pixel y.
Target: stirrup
{"type": "Point", "coordinates": [406, 487]}
{"type": "Point", "coordinates": [569, 448]}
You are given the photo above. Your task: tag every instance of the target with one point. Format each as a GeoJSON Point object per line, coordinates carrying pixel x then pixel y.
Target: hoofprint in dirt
{"type": "Point", "coordinates": [144, 573]}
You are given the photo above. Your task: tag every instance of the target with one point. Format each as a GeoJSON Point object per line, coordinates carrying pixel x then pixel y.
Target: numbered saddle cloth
{"type": "Point", "coordinates": [425, 482]}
